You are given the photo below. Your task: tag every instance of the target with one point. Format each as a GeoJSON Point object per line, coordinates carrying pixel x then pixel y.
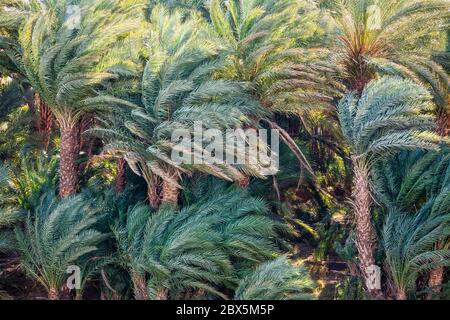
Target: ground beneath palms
{"type": "Point", "coordinates": [327, 275]}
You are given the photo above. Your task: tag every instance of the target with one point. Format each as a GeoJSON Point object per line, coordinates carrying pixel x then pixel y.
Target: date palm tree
{"type": "Point", "coordinates": [409, 241]}
{"type": "Point", "coordinates": [390, 36]}
{"type": "Point", "coordinates": [177, 91]}
{"type": "Point", "coordinates": [258, 44]}
{"type": "Point", "coordinates": [58, 234]}
{"type": "Point", "coordinates": [388, 117]}
{"type": "Point", "coordinates": [207, 245]}
{"type": "Point", "coordinates": [65, 62]}
{"type": "Point", "coordinates": [403, 180]}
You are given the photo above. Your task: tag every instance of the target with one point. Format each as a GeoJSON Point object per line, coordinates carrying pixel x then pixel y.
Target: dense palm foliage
{"type": "Point", "coordinates": [113, 114]}
{"type": "Point", "coordinates": [199, 249]}
{"type": "Point", "coordinates": [177, 90]}
{"type": "Point", "coordinates": [409, 241]}
{"type": "Point", "coordinates": [423, 173]}
{"type": "Point", "coordinates": [389, 116]}
{"type": "Point", "coordinates": [58, 234]}
{"type": "Point", "coordinates": [66, 64]}
{"type": "Point", "coordinates": [275, 280]}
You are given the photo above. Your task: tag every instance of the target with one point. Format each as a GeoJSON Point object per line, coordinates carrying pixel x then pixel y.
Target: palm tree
{"type": "Point", "coordinates": [198, 249]}
{"type": "Point", "coordinates": [409, 240]}
{"type": "Point", "coordinates": [276, 280]}
{"type": "Point", "coordinates": [58, 234]}
{"type": "Point", "coordinates": [175, 252]}
{"type": "Point", "coordinates": [258, 45]}
{"type": "Point", "coordinates": [23, 188]}
{"type": "Point", "coordinates": [68, 64]}
{"type": "Point", "coordinates": [177, 91]}
{"type": "Point", "coordinates": [389, 36]}
{"type": "Point", "coordinates": [386, 118]}
{"type": "Point", "coordinates": [402, 182]}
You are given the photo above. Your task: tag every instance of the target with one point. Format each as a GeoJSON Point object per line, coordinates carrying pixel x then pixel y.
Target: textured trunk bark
{"type": "Point", "coordinates": [121, 180]}
{"type": "Point", "coordinates": [68, 169]}
{"type": "Point", "coordinates": [243, 182]}
{"type": "Point", "coordinates": [162, 294]}
{"type": "Point", "coordinates": [153, 196]}
{"type": "Point", "coordinates": [170, 193]}
{"type": "Point", "coordinates": [435, 282]}
{"type": "Point", "coordinates": [401, 294]}
{"type": "Point", "coordinates": [53, 294]}
{"type": "Point", "coordinates": [140, 286]}
{"type": "Point", "coordinates": [365, 234]}
{"type": "Point", "coordinates": [361, 73]}
{"type": "Point", "coordinates": [443, 124]}
{"type": "Point", "coordinates": [45, 121]}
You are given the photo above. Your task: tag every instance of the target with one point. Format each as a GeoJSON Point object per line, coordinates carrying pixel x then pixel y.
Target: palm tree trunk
{"type": "Point", "coordinates": [45, 121]}
{"type": "Point", "coordinates": [153, 196]}
{"type": "Point", "coordinates": [53, 294]}
{"type": "Point", "coordinates": [170, 191]}
{"type": "Point", "coordinates": [243, 182]}
{"type": "Point", "coordinates": [162, 294]}
{"type": "Point", "coordinates": [365, 234]}
{"type": "Point", "coordinates": [401, 294]}
{"type": "Point", "coordinates": [435, 282]}
{"type": "Point", "coordinates": [121, 180]}
{"type": "Point", "coordinates": [140, 286]}
{"type": "Point", "coordinates": [68, 169]}
{"type": "Point", "coordinates": [443, 124]}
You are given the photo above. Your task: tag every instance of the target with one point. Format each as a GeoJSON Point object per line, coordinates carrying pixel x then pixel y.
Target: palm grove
{"type": "Point", "coordinates": [92, 90]}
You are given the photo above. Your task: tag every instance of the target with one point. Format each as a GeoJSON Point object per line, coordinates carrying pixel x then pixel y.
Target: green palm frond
{"type": "Point", "coordinates": [65, 64]}
{"type": "Point", "coordinates": [276, 280]}
{"type": "Point", "coordinates": [391, 37]}
{"type": "Point", "coordinates": [7, 241]}
{"type": "Point", "coordinates": [409, 244]}
{"type": "Point", "coordinates": [24, 187]}
{"type": "Point", "coordinates": [58, 234]}
{"type": "Point", "coordinates": [201, 247]}
{"type": "Point", "coordinates": [256, 42]}
{"type": "Point", "coordinates": [177, 91]}
{"type": "Point", "coordinates": [406, 180]}
{"type": "Point", "coordinates": [389, 116]}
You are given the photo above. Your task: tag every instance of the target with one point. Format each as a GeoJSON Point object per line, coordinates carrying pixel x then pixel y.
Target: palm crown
{"type": "Point", "coordinates": [208, 244]}
{"type": "Point", "coordinates": [389, 116]}
{"type": "Point", "coordinates": [176, 92]}
{"type": "Point", "coordinates": [59, 234]}
{"type": "Point", "coordinates": [379, 32]}
{"type": "Point", "coordinates": [64, 56]}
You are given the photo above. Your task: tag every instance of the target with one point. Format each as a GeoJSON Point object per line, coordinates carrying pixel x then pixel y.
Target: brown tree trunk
{"type": "Point", "coordinates": [365, 233]}
{"type": "Point", "coordinates": [401, 294]}
{"type": "Point", "coordinates": [68, 169]}
{"type": "Point", "coordinates": [435, 282]}
{"type": "Point", "coordinates": [140, 286]}
{"type": "Point", "coordinates": [243, 182]}
{"type": "Point", "coordinates": [53, 294]}
{"type": "Point", "coordinates": [153, 196]}
{"type": "Point", "coordinates": [121, 180]}
{"type": "Point", "coordinates": [162, 294]}
{"type": "Point", "coordinates": [45, 121]}
{"type": "Point", "coordinates": [443, 124]}
{"type": "Point", "coordinates": [170, 192]}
